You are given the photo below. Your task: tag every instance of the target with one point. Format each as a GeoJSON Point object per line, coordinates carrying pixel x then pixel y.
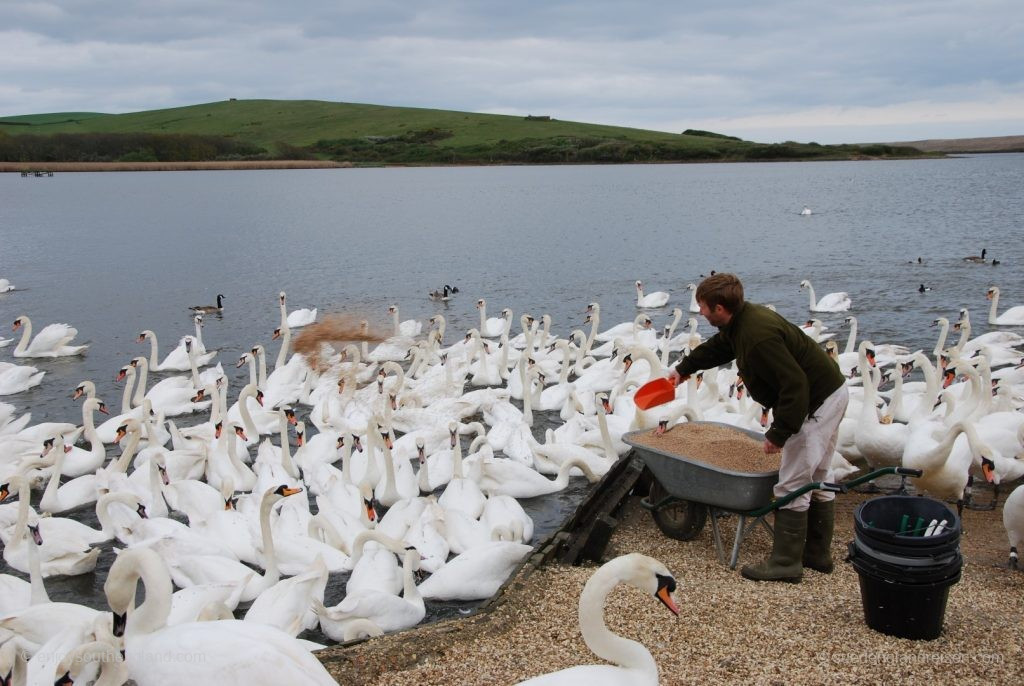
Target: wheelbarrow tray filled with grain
{"type": "Point", "coordinates": [691, 482]}
{"type": "Point", "coordinates": [688, 477]}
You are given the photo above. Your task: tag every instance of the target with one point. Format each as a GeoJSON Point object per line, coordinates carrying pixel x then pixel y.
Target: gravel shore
{"type": "Point", "coordinates": [729, 630]}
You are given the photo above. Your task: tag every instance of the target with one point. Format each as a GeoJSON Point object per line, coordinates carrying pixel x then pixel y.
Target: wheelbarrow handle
{"type": "Point", "coordinates": [907, 471]}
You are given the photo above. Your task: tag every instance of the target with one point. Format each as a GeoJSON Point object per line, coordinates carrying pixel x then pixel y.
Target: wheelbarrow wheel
{"type": "Point", "coordinates": [682, 520]}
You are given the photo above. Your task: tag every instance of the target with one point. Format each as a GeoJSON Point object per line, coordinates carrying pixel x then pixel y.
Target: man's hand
{"type": "Point", "coordinates": [674, 377]}
{"type": "Point", "coordinates": [770, 447]}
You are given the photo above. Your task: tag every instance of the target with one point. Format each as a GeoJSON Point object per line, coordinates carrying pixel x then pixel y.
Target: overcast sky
{"type": "Point", "coordinates": [805, 70]}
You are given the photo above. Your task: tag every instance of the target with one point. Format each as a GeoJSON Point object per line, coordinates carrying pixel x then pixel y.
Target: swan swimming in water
{"type": "Point", "coordinates": [51, 341]}
{"type": "Point", "coordinates": [832, 302]}
{"type": "Point", "coordinates": [806, 211]}
{"type": "Point", "coordinates": [633, 663]}
{"type": "Point", "coordinates": [1011, 317]}
{"type": "Point", "coordinates": [655, 299]}
{"type": "Point", "coordinates": [296, 318]}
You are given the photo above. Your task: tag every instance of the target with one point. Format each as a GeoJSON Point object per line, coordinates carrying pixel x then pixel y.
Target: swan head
{"type": "Point", "coordinates": [992, 292]}
{"type": "Point", "coordinates": [480, 303]}
{"type": "Point", "coordinates": [639, 285]}
{"type": "Point", "coordinates": [805, 284]}
{"type": "Point", "coordinates": [648, 575]}
{"type": "Point", "coordinates": [84, 388]}
{"type": "Point", "coordinates": [143, 335]}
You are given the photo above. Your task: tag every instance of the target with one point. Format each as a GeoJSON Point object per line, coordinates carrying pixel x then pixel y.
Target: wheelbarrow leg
{"type": "Point", "coordinates": [738, 540]}
{"type": "Point", "coordinates": [716, 534]}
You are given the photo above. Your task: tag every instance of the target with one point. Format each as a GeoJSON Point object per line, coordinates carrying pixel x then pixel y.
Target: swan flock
{"type": "Point", "coordinates": [399, 460]}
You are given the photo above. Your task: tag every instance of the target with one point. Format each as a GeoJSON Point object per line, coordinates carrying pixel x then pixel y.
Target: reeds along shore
{"type": "Point", "coordinates": [169, 166]}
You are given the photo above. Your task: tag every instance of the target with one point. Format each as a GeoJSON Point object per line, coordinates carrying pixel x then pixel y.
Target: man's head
{"type": "Point", "coordinates": [719, 296]}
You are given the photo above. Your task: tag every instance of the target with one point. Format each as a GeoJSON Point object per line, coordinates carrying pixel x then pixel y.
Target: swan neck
{"type": "Point", "coordinates": [410, 591]}
{"type": "Point", "coordinates": [851, 341]}
{"type": "Point", "coordinates": [140, 382]}
{"type": "Point", "coordinates": [154, 356]}
{"type": "Point", "coordinates": [26, 325]}
{"type": "Point", "coordinates": [271, 571]}
{"type": "Point", "coordinates": [282, 354]}
{"type": "Point", "coordinates": [604, 643]}
{"type": "Point", "coordinates": [21, 525]}
{"type": "Point", "coordinates": [992, 316]}
{"type": "Point", "coordinates": [121, 465]}
{"type": "Point", "coordinates": [126, 395]}
{"type": "Point", "coordinates": [152, 614]}
{"type": "Point", "coordinates": [243, 410]}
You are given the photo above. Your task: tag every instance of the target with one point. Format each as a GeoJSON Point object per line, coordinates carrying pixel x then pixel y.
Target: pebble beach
{"type": "Point", "coordinates": [729, 630]}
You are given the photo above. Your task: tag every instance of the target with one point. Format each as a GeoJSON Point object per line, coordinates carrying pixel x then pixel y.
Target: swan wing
{"type": "Point", "coordinates": [223, 654]}
{"type": "Point", "coordinates": [834, 302]}
{"type": "Point", "coordinates": [52, 337]}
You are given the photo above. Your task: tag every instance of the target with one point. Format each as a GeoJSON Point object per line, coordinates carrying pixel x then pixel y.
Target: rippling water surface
{"type": "Point", "coordinates": [116, 253]}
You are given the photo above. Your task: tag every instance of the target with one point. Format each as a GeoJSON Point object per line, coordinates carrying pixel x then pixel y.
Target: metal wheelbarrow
{"type": "Point", "coordinates": [685, 490]}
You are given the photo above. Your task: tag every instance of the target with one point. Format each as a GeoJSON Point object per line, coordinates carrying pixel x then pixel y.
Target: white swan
{"type": "Point", "coordinates": [388, 611]}
{"type": "Point", "coordinates": [1011, 317]}
{"type": "Point", "coordinates": [59, 497]}
{"type": "Point", "coordinates": [295, 318]}
{"type": "Point", "coordinates": [477, 573]}
{"type": "Point", "coordinates": [694, 305]}
{"type": "Point", "coordinates": [408, 328]}
{"type": "Point", "coordinates": [6, 286]}
{"type": "Point", "coordinates": [832, 302]}
{"type": "Point", "coordinates": [633, 663]}
{"type": "Point", "coordinates": [15, 378]}
{"type": "Point", "coordinates": [494, 326]}
{"type": "Point", "coordinates": [655, 299]}
{"type": "Point", "coordinates": [51, 341]}
{"type": "Point", "coordinates": [806, 211]}
{"type": "Point", "coordinates": [221, 651]}
{"type": "Point", "coordinates": [177, 360]}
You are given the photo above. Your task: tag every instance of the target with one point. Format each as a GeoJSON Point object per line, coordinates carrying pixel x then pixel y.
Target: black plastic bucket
{"type": "Point", "coordinates": [905, 576]}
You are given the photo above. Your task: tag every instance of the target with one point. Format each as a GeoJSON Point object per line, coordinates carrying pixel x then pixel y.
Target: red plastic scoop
{"type": "Point", "coordinates": [654, 393]}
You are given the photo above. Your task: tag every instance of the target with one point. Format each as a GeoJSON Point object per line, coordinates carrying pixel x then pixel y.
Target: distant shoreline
{"type": "Point", "coordinates": [169, 166]}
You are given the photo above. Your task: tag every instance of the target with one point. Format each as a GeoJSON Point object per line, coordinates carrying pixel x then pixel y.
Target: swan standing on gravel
{"type": "Point", "coordinates": [832, 302]}
{"type": "Point", "coordinates": [633, 663]}
{"type": "Point", "coordinates": [1012, 317]}
{"type": "Point", "coordinates": [221, 652]}
{"type": "Point", "coordinates": [655, 299]}
{"type": "Point", "coordinates": [51, 341]}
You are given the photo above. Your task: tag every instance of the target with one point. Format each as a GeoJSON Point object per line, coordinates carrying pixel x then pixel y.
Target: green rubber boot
{"type": "Point", "coordinates": [821, 518]}
{"type": "Point", "coordinates": [787, 550]}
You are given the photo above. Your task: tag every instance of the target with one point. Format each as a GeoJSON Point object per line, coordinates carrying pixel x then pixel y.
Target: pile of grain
{"type": "Point", "coordinates": [721, 446]}
{"type": "Point", "coordinates": [334, 330]}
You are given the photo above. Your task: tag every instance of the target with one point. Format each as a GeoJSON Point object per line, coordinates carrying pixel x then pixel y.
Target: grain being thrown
{"type": "Point", "coordinates": [721, 446]}
{"type": "Point", "coordinates": [335, 330]}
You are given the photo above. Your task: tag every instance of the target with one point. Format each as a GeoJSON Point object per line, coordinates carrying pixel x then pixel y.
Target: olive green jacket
{"type": "Point", "coordinates": [781, 366]}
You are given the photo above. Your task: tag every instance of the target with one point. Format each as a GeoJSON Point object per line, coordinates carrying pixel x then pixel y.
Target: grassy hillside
{"type": "Point", "coordinates": [373, 134]}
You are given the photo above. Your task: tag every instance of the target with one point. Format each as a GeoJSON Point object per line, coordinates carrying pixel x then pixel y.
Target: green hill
{"type": "Point", "coordinates": [305, 129]}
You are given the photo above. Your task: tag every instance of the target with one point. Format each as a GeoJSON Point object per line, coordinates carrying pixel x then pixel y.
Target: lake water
{"type": "Point", "coordinates": [115, 253]}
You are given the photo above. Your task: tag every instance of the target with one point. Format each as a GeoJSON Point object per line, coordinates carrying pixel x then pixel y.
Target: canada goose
{"type": "Point", "coordinates": [978, 259]}
{"type": "Point", "coordinates": [210, 309]}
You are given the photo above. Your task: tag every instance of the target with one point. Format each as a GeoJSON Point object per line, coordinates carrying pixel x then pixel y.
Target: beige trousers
{"type": "Point", "coordinates": [807, 455]}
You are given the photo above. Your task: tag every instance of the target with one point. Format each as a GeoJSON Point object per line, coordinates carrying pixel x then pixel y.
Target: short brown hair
{"type": "Point", "coordinates": [721, 289]}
